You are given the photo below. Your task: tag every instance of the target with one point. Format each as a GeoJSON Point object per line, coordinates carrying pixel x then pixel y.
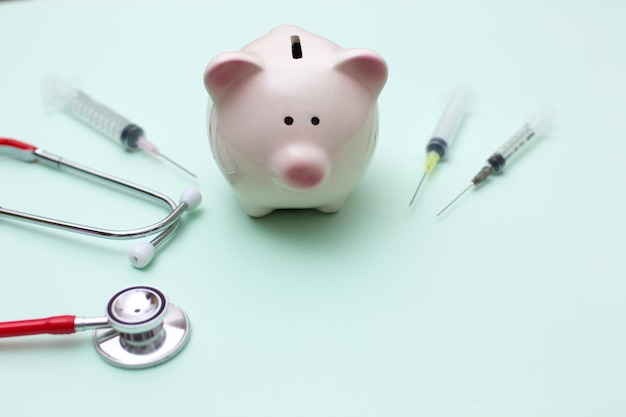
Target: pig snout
{"type": "Point", "coordinates": [304, 175]}
{"type": "Point", "coordinates": [301, 166]}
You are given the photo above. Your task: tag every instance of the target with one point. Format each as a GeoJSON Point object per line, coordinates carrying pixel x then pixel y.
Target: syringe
{"type": "Point", "coordinates": [444, 132]}
{"type": "Point", "coordinates": [59, 94]}
{"type": "Point", "coordinates": [533, 128]}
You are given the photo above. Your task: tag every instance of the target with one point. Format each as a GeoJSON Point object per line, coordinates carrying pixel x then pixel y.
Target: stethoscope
{"type": "Point", "coordinates": [141, 328]}
{"type": "Point", "coordinates": [141, 254]}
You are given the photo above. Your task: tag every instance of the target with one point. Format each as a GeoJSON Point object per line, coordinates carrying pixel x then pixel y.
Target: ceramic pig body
{"type": "Point", "coordinates": [294, 119]}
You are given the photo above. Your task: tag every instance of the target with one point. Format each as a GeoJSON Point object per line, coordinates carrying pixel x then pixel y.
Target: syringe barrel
{"type": "Point", "coordinates": [450, 120]}
{"type": "Point", "coordinates": [528, 132]}
{"type": "Point", "coordinates": [59, 94]}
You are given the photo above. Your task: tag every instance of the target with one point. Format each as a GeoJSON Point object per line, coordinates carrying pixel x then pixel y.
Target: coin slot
{"type": "Point", "coordinates": [296, 47]}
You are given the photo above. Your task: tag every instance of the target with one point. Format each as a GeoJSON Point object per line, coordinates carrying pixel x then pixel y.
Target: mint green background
{"type": "Point", "coordinates": [512, 304]}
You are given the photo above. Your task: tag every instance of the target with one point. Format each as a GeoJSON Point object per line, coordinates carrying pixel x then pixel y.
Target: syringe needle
{"type": "Point", "coordinates": [456, 198]}
{"type": "Point", "coordinates": [177, 165]}
{"type": "Point", "coordinates": [148, 147]}
{"type": "Point", "coordinates": [418, 188]}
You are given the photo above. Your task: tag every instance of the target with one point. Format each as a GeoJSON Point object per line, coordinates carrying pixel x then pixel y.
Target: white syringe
{"type": "Point", "coordinates": [445, 131]}
{"type": "Point", "coordinates": [495, 163]}
{"type": "Point", "coordinates": [59, 94]}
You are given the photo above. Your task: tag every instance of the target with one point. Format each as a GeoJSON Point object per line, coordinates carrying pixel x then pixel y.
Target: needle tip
{"type": "Point", "coordinates": [418, 188]}
{"type": "Point", "coordinates": [455, 198]}
{"type": "Point", "coordinates": [182, 168]}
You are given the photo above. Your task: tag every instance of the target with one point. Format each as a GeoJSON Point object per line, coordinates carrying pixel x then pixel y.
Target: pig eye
{"type": "Point", "coordinates": [315, 120]}
{"type": "Point", "coordinates": [288, 120]}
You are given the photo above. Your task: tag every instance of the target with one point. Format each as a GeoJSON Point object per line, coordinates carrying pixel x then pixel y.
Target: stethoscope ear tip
{"type": "Point", "coordinates": [140, 255]}
{"type": "Point", "coordinates": [192, 197]}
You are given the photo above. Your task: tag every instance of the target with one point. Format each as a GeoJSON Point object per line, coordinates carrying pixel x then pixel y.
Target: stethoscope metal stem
{"type": "Point", "coordinates": [59, 162]}
{"type": "Point", "coordinates": [90, 323]}
{"type": "Point", "coordinates": [140, 255]}
{"type": "Point", "coordinates": [98, 232]}
{"type": "Point", "coordinates": [56, 161]}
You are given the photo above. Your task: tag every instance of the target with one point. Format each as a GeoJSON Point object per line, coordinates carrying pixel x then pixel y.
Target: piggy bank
{"type": "Point", "coordinates": [293, 121]}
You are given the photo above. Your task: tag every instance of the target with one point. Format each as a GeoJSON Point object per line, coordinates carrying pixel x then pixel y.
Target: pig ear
{"type": "Point", "coordinates": [366, 66]}
{"type": "Point", "coordinates": [225, 70]}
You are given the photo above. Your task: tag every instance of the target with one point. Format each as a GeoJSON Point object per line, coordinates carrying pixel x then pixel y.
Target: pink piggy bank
{"type": "Point", "coordinates": [294, 119]}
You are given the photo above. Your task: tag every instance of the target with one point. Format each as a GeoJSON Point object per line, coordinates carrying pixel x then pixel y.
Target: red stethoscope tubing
{"type": "Point", "coordinates": [17, 144]}
{"type": "Point", "coordinates": [48, 325]}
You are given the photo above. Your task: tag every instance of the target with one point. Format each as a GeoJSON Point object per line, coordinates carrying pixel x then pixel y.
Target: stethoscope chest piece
{"type": "Point", "coordinates": [146, 330]}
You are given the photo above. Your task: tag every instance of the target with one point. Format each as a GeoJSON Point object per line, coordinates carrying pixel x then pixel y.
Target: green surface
{"type": "Point", "coordinates": [512, 304]}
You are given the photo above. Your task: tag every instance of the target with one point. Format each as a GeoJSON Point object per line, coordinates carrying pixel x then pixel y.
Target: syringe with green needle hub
{"type": "Point", "coordinates": [533, 128]}
{"type": "Point", "coordinates": [444, 132]}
